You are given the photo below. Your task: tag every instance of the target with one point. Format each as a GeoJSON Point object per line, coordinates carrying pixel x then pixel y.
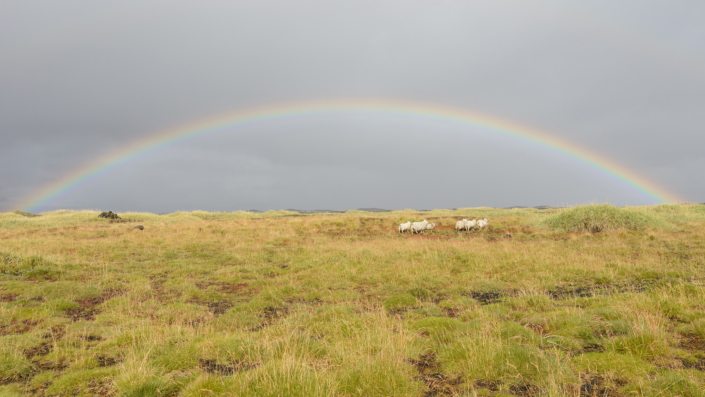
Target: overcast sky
{"type": "Point", "coordinates": [79, 79]}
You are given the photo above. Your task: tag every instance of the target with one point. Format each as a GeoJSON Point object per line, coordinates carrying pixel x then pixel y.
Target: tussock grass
{"type": "Point", "coordinates": [272, 304]}
{"type": "Point", "coordinates": [602, 217]}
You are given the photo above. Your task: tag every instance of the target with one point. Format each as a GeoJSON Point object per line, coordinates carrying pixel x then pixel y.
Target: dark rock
{"type": "Point", "coordinates": [139, 227]}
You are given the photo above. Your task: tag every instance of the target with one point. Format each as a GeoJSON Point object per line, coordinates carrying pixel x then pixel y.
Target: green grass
{"type": "Point", "coordinates": [601, 217]}
{"type": "Point", "coordinates": [592, 300]}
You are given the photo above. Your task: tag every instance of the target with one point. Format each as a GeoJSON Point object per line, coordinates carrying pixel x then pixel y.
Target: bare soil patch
{"type": "Point", "coordinates": [8, 297]}
{"type": "Point", "coordinates": [592, 348]}
{"type": "Point", "coordinates": [492, 296]}
{"type": "Point", "coordinates": [213, 367]}
{"type": "Point", "coordinates": [50, 365]}
{"type": "Point", "coordinates": [87, 308]}
{"type": "Point", "coordinates": [217, 308]}
{"type": "Point", "coordinates": [18, 327]}
{"type": "Point", "coordinates": [270, 314]}
{"type": "Point", "coordinates": [42, 349]}
{"type": "Point", "coordinates": [587, 291]}
{"type": "Point", "coordinates": [525, 390]}
{"type": "Point", "coordinates": [160, 293]}
{"type": "Point", "coordinates": [693, 343]}
{"type": "Point", "coordinates": [106, 361]}
{"type": "Point", "coordinates": [491, 385]}
{"type": "Point", "coordinates": [595, 386]}
{"type": "Point", "coordinates": [438, 383]}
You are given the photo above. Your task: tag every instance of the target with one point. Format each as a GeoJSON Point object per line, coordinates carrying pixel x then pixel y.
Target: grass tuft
{"type": "Point", "coordinates": [601, 217]}
{"type": "Point", "coordinates": [400, 302]}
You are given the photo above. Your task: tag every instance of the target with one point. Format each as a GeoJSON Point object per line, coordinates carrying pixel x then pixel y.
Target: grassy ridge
{"type": "Point", "coordinates": [206, 304]}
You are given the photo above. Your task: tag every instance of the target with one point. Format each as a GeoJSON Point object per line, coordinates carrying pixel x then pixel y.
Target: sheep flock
{"type": "Point", "coordinates": [420, 227]}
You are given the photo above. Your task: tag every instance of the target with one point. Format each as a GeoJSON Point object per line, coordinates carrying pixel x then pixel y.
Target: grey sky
{"type": "Point", "coordinates": [82, 78]}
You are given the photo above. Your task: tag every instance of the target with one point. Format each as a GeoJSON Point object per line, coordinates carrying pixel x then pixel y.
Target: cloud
{"type": "Point", "coordinates": [93, 79]}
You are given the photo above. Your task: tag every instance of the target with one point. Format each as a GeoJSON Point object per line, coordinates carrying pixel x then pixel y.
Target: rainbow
{"type": "Point", "coordinates": [248, 117]}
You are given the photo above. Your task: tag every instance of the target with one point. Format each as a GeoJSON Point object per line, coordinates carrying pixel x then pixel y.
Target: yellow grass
{"type": "Point", "coordinates": [240, 304]}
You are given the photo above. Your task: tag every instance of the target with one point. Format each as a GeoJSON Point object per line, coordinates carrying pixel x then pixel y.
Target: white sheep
{"type": "Point", "coordinates": [482, 223]}
{"type": "Point", "coordinates": [404, 227]}
{"type": "Point", "coordinates": [460, 225]}
{"type": "Point", "coordinates": [430, 226]}
{"type": "Point", "coordinates": [419, 227]}
{"type": "Point", "coordinates": [469, 225]}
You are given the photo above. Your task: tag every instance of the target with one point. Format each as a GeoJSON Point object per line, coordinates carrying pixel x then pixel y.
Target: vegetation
{"type": "Point", "coordinates": [601, 217]}
{"type": "Point", "coordinates": [284, 304]}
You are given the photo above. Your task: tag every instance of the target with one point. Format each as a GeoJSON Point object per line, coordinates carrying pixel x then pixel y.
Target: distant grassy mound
{"type": "Point", "coordinates": [27, 214]}
{"type": "Point", "coordinates": [600, 217]}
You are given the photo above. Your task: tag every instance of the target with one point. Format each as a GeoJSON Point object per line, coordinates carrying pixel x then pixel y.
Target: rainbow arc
{"type": "Point", "coordinates": [240, 120]}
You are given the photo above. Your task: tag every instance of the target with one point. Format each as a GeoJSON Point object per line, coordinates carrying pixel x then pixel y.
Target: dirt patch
{"type": "Point", "coordinates": [218, 308]}
{"type": "Point", "coordinates": [698, 364]}
{"type": "Point", "coordinates": [693, 343]}
{"type": "Point", "coordinates": [451, 311]}
{"type": "Point", "coordinates": [430, 373]}
{"type": "Point", "coordinates": [486, 298]}
{"type": "Point", "coordinates": [60, 365]}
{"type": "Point", "coordinates": [42, 349]}
{"type": "Point", "coordinates": [160, 293]}
{"type": "Point", "coordinates": [588, 291]}
{"type": "Point", "coordinates": [228, 288]}
{"type": "Point", "coordinates": [398, 313]}
{"type": "Point", "coordinates": [106, 361]}
{"type": "Point", "coordinates": [91, 338]}
{"type": "Point", "coordinates": [592, 348]}
{"type": "Point", "coordinates": [87, 308]}
{"type": "Point", "coordinates": [101, 387]}
{"type": "Point", "coordinates": [540, 328]}
{"type": "Point", "coordinates": [572, 291]}
{"type": "Point", "coordinates": [56, 332]}
{"type": "Point", "coordinates": [8, 297]}
{"type": "Point", "coordinates": [696, 346]}
{"type": "Point", "coordinates": [525, 390]}
{"type": "Point", "coordinates": [18, 327]}
{"type": "Point", "coordinates": [491, 385]}
{"type": "Point", "coordinates": [595, 386]}
{"type": "Point", "coordinates": [272, 313]}
{"type": "Point", "coordinates": [213, 367]}
{"type": "Point", "coordinates": [233, 288]}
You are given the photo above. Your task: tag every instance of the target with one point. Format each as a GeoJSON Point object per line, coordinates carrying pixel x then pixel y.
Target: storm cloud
{"type": "Point", "coordinates": [81, 79]}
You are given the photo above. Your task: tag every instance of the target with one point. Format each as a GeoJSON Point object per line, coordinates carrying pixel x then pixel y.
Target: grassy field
{"type": "Point", "coordinates": [588, 301]}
